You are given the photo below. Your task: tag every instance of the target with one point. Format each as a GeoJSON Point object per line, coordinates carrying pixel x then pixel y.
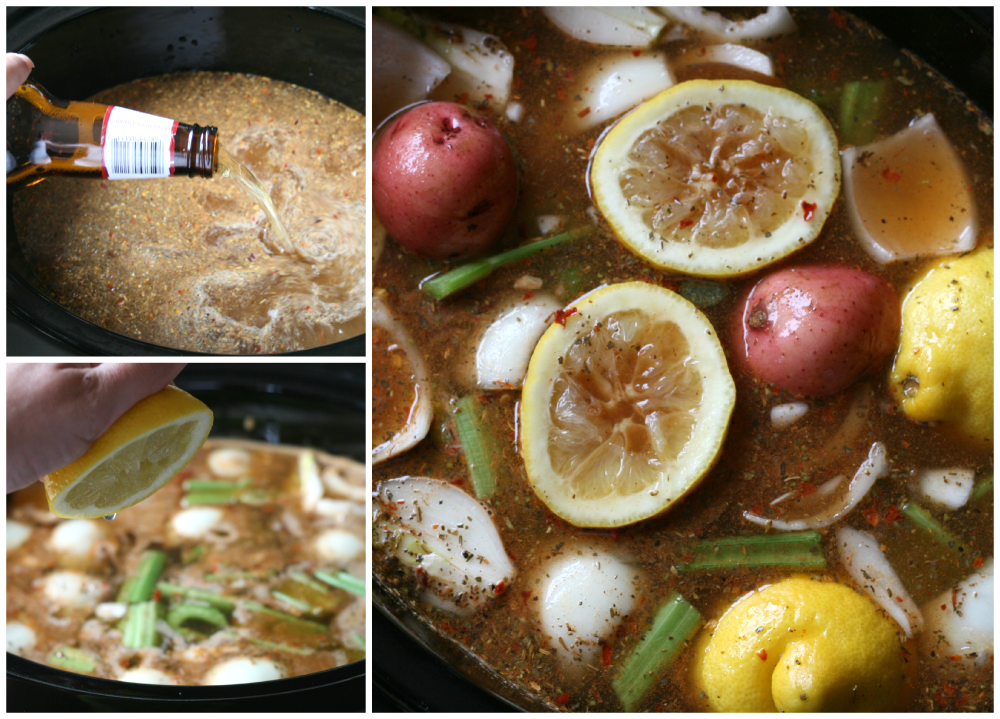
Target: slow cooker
{"type": "Point", "coordinates": [413, 669]}
{"type": "Point", "coordinates": [318, 405]}
{"type": "Point", "coordinates": [79, 51]}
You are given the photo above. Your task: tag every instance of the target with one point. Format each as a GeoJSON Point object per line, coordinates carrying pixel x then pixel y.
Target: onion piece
{"type": "Point", "coordinates": [614, 84]}
{"type": "Point", "coordinates": [547, 224]}
{"type": "Point", "coordinates": [447, 537]}
{"type": "Point", "coordinates": [727, 54]}
{"type": "Point", "coordinates": [775, 21]}
{"type": "Point", "coordinates": [873, 468]}
{"type": "Point", "coordinates": [868, 566]}
{"type": "Point", "coordinates": [17, 534]}
{"type": "Point", "coordinates": [421, 412]}
{"type": "Point", "coordinates": [631, 26]}
{"type": "Point", "coordinates": [481, 65]}
{"type": "Point", "coordinates": [964, 626]}
{"type": "Point", "coordinates": [506, 346]}
{"type": "Point", "coordinates": [404, 70]}
{"type": "Point", "coordinates": [785, 415]}
{"type": "Point", "coordinates": [909, 195]}
{"type": "Point", "coordinates": [949, 487]}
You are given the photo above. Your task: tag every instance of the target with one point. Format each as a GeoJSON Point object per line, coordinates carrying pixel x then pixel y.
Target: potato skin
{"type": "Point", "coordinates": [814, 330]}
{"type": "Point", "coordinates": [444, 181]}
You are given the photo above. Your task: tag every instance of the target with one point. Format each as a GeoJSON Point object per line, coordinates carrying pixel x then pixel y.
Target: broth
{"type": "Point", "coordinates": [758, 462]}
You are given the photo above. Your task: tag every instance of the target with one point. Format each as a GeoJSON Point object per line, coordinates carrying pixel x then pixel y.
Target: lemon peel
{"type": "Point", "coordinates": [943, 371]}
{"type": "Point", "coordinates": [135, 457]}
{"type": "Point", "coordinates": [625, 406]}
{"type": "Point", "coordinates": [717, 178]}
{"type": "Point", "coordinates": [800, 645]}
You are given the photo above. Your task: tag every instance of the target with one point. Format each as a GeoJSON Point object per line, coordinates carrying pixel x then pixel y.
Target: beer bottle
{"type": "Point", "coordinates": [47, 136]}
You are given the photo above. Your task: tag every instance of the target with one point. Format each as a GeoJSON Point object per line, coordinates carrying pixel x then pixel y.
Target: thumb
{"type": "Point", "coordinates": [117, 387]}
{"type": "Point", "coordinates": [18, 68]}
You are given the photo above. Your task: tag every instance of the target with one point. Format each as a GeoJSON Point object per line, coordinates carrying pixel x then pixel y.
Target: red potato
{"type": "Point", "coordinates": [815, 330]}
{"type": "Point", "coordinates": [444, 182]}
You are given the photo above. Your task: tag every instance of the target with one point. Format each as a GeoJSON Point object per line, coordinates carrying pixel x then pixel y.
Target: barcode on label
{"type": "Point", "coordinates": [136, 156]}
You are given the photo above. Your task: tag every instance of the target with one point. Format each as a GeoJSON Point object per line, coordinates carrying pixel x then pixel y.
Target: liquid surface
{"type": "Point", "coordinates": [192, 264]}
{"type": "Point", "coordinates": [503, 646]}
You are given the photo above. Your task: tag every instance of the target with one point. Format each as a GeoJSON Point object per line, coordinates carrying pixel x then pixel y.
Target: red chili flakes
{"type": "Point", "coordinates": [561, 94]}
{"type": "Point", "coordinates": [763, 655]}
{"type": "Point", "coordinates": [606, 656]}
{"type": "Point", "coordinates": [446, 626]}
{"type": "Point", "coordinates": [423, 579]}
{"type": "Point", "coordinates": [528, 295]}
{"type": "Point", "coordinates": [636, 53]}
{"type": "Point", "coordinates": [614, 534]}
{"type": "Point", "coordinates": [834, 75]}
{"type": "Point", "coordinates": [899, 598]}
{"type": "Point", "coordinates": [871, 516]}
{"type": "Point", "coordinates": [530, 44]}
{"type": "Point", "coordinates": [462, 99]}
{"type": "Point", "coordinates": [891, 175]}
{"type": "Point", "coordinates": [157, 595]}
{"type": "Point", "coordinates": [757, 509]}
{"type": "Point", "coordinates": [563, 315]}
{"type": "Point", "coordinates": [892, 514]}
{"type": "Point", "coordinates": [516, 84]}
{"type": "Point", "coordinates": [500, 588]}
{"type": "Point", "coordinates": [525, 596]}
{"type": "Point", "coordinates": [584, 112]}
{"type": "Point", "coordinates": [978, 562]}
{"type": "Point", "coordinates": [686, 222]}
{"type": "Point", "coordinates": [948, 688]}
{"type": "Point", "coordinates": [808, 209]}
{"type": "Point", "coordinates": [839, 20]}
{"type": "Point", "coordinates": [807, 488]}
{"type": "Point", "coordinates": [955, 657]}
{"type": "Point", "coordinates": [562, 699]}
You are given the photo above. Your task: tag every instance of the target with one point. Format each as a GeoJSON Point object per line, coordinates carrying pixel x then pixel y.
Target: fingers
{"type": "Point", "coordinates": [118, 386]}
{"type": "Point", "coordinates": [18, 68]}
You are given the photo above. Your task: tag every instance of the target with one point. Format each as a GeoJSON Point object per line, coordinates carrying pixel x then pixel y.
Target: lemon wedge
{"type": "Point", "coordinates": [625, 406]}
{"type": "Point", "coordinates": [717, 178]}
{"type": "Point", "coordinates": [136, 456]}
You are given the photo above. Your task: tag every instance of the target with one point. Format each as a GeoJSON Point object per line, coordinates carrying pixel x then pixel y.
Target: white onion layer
{"type": "Point", "coordinates": [506, 347]}
{"type": "Point", "coordinates": [727, 54]}
{"type": "Point", "coordinates": [404, 70]}
{"type": "Point", "coordinates": [785, 415]}
{"type": "Point", "coordinates": [949, 487]}
{"type": "Point", "coordinates": [965, 626]}
{"type": "Point", "coordinates": [20, 638]}
{"type": "Point", "coordinates": [614, 84]}
{"type": "Point", "coordinates": [450, 540]}
{"type": "Point", "coordinates": [873, 468]}
{"type": "Point", "coordinates": [868, 566]}
{"type": "Point", "coordinates": [629, 26]}
{"type": "Point", "coordinates": [711, 25]}
{"type": "Point", "coordinates": [17, 534]}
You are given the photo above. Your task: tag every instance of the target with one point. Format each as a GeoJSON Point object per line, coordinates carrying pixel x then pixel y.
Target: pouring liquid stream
{"type": "Point", "coordinates": [230, 167]}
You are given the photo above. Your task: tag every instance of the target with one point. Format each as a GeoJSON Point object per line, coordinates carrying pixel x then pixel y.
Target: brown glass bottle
{"type": "Point", "coordinates": [47, 136]}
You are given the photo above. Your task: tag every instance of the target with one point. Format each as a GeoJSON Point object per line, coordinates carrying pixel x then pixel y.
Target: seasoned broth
{"type": "Point", "coordinates": [759, 462]}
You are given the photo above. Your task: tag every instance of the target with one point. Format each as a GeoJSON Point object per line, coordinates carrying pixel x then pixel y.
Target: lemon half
{"type": "Point", "coordinates": [625, 406]}
{"type": "Point", "coordinates": [136, 456]}
{"type": "Point", "coordinates": [718, 178]}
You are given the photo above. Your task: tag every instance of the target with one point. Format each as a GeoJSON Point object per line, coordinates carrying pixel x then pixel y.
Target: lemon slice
{"type": "Point", "coordinates": [625, 407]}
{"type": "Point", "coordinates": [717, 178]}
{"type": "Point", "coordinates": [136, 456]}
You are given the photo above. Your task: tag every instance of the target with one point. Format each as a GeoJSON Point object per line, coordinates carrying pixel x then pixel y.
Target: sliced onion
{"type": "Point", "coordinates": [960, 620]}
{"type": "Point", "coordinates": [950, 487]}
{"type": "Point", "coordinates": [481, 65]}
{"type": "Point", "coordinates": [785, 415]}
{"type": "Point", "coordinates": [873, 468]}
{"type": "Point", "coordinates": [727, 54]}
{"type": "Point", "coordinates": [17, 534]}
{"type": "Point", "coordinates": [775, 21]}
{"type": "Point", "coordinates": [507, 344]}
{"type": "Point", "coordinates": [868, 566]}
{"type": "Point", "coordinates": [550, 223]}
{"type": "Point", "coordinates": [404, 70]}
{"type": "Point", "coordinates": [421, 412]}
{"type": "Point", "coordinates": [909, 196]}
{"type": "Point", "coordinates": [447, 537]}
{"type": "Point", "coordinates": [631, 26]}
{"type": "Point", "coordinates": [614, 84]}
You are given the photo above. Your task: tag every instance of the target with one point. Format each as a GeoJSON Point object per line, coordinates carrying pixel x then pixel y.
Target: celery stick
{"type": "Point", "coordinates": [477, 445]}
{"type": "Point", "coordinates": [72, 659]}
{"type": "Point", "coordinates": [139, 630]}
{"type": "Point", "coordinates": [983, 489]}
{"type": "Point", "coordinates": [461, 277]}
{"type": "Point", "coordinates": [861, 106]}
{"type": "Point", "coordinates": [184, 612]}
{"type": "Point", "coordinates": [216, 600]}
{"type": "Point", "coordinates": [675, 622]}
{"type": "Point", "coordinates": [280, 647]}
{"type": "Point", "coordinates": [922, 518]}
{"type": "Point", "coordinates": [795, 549]}
{"type": "Point", "coordinates": [342, 580]}
{"type": "Point", "coordinates": [140, 587]}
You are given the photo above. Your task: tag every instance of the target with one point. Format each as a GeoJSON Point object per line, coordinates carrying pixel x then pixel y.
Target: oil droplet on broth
{"type": "Point", "coordinates": [230, 167]}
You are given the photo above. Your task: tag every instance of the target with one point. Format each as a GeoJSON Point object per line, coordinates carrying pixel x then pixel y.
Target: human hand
{"type": "Point", "coordinates": [56, 411]}
{"type": "Point", "coordinates": [18, 68]}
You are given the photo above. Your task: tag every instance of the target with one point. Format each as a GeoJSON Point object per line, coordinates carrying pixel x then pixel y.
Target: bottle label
{"type": "Point", "coordinates": [136, 146]}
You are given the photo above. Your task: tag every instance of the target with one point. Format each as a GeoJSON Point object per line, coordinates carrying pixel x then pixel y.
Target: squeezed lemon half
{"type": "Point", "coordinates": [717, 178]}
{"type": "Point", "coordinates": [136, 456]}
{"type": "Point", "coordinates": [625, 405]}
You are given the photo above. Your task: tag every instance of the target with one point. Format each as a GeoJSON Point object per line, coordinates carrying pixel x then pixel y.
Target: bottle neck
{"type": "Point", "coordinates": [196, 150]}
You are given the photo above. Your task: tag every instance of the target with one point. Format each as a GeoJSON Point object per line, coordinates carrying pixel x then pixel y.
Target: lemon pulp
{"type": "Point", "coordinates": [625, 407]}
{"type": "Point", "coordinates": [718, 178]}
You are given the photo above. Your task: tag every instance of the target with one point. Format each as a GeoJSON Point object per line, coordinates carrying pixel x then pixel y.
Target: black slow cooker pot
{"type": "Point", "coordinates": [322, 406]}
{"type": "Point", "coordinates": [80, 51]}
{"type": "Point", "coordinates": [412, 668]}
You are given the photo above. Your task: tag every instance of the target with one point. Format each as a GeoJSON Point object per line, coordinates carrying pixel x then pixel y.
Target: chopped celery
{"type": "Point", "coordinates": [342, 580]}
{"type": "Point", "coordinates": [861, 105]}
{"type": "Point", "coordinates": [280, 647]}
{"type": "Point", "coordinates": [477, 445]}
{"type": "Point", "coordinates": [73, 659]}
{"type": "Point", "coordinates": [922, 518]}
{"type": "Point", "coordinates": [675, 622]}
{"type": "Point", "coordinates": [461, 277]}
{"type": "Point", "coordinates": [215, 485]}
{"type": "Point", "coordinates": [139, 588]}
{"type": "Point", "coordinates": [185, 612]}
{"type": "Point", "coordinates": [287, 618]}
{"type": "Point", "coordinates": [983, 489]}
{"type": "Point", "coordinates": [216, 600]}
{"type": "Point", "coordinates": [359, 639]}
{"type": "Point", "coordinates": [193, 499]}
{"type": "Point", "coordinates": [139, 629]}
{"type": "Point", "coordinates": [307, 580]}
{"type": "Point", "coordinates": [796, 549]}
{"type": "Point", "coordinates": [287, 599]}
